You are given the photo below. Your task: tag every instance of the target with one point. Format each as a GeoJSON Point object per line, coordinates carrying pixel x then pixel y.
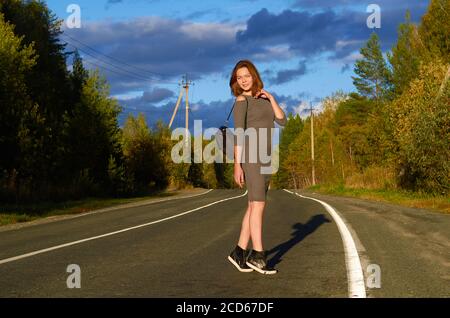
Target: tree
{"type": "Point", "coordinates": [405, 56]}
{"type": "Point", "coordinates": [78, 77]}
{"type": "Point", "coordinates": [293, 127]}
{"type": "Point", "coordinates": [434, 30]}
{"type": "Point", "coordinates": [422, 122]}
{"type": "Point", "coordinates": [373, 80]}
{"type": "Point", "coordinates": [145, 155]}
{"type": "Point", "coordinates": [93, 132]}
{"type": "Point", "coordinates": [48, 86]}
{"type": "Point", "coordinates": [19, 121]}
{"type": "Point", "coordinates": [350, 125]}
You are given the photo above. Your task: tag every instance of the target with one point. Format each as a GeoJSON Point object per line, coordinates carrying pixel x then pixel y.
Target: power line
{"type": "Point", "coordinates": [135, 75]}
{"type": "Point", "coordinates": [126, 72]}
{"type": "Point", "coordinates": [114, 59]}
{"type": "Point", "coordinates": [115, 66]}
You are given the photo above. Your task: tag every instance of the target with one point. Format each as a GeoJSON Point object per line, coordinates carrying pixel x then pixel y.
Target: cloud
{"type": "Point", "coordinates": [288, 75]}
{"type": "Point", "coordinates": [301, 109]}
{"type": "Point", "coordinates": [212, 114]}
{"type": "Point", "coordinates": [158, 50]}
{"type": "Point", "coordinates": [384, 4]}
{"type": "Point", "coordinates": [310, 33]}
{"type": "Point", "coordinates": [198, 14]}
{"type": "Point", "coordinates": [155, 45]}
{"type": "Point", "coordinates": [157, 95]}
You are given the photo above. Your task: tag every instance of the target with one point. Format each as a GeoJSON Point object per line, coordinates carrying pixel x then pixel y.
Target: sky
{"type": "Point", "coordinates": [304, 49]}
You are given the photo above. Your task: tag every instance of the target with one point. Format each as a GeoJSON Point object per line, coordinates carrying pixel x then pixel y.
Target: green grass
{"type": "Point", "coordinates": [11, 213]}
{"type": "Point", "coordinates": [406, 198]}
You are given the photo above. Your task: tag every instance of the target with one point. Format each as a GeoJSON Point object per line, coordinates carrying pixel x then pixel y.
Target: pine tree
{"type": "Point", "coordinates": [405, 56]}
{"type": "Point", "coordinates": [373, 79]}
{"type": "Point", "coordinates": [18, 119]}
{"type": "Point", "coordinates": [435, 30]}
{"type": "Point", "coordinates": [78, 76]}
{"type": "Point", "coordinates": [48, 86]}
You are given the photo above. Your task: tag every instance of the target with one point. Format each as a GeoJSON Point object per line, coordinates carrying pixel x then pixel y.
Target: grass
{"type": "Point", "coordinates": [438, 203]}
{"type": "Point", "coordinates": [12, 213]}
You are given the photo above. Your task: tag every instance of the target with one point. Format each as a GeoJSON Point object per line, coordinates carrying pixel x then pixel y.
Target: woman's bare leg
{"type": "Point", "coordinates": [256, 219]}
{"type": "Point", "coordinates": [244, 237]}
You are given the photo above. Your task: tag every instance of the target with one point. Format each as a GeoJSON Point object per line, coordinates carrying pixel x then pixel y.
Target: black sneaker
{"type": "Point", "coordinates": [257, 261]}
{"type": "Point", "coordinates": [237, 258]}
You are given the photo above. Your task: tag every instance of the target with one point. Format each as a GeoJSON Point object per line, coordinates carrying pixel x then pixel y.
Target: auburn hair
{"type": "Point", "coordinates": [258, 84]}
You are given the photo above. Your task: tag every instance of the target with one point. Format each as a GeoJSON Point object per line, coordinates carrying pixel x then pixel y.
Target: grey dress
{"type": "Point", "coordinates": [259, 115]}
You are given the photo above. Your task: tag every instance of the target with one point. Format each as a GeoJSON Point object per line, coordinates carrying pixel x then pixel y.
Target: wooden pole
{"type": "Point", "coordinates": [313, 172]}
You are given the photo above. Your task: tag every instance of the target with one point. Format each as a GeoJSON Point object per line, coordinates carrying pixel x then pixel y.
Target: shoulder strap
{"type": "Point", "coordinates": [228, 118]}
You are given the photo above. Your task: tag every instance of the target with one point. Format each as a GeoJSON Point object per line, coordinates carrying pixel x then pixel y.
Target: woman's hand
{"type": "Point", "coordinates": [239, 175]}
{"type": "Point", "coordinates": [265, 94]}
{"type": "Point", "coordinates": [278, 112]}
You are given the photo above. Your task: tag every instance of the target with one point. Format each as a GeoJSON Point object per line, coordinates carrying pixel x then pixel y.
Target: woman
{"type": "Point", "coordinates": [255, 108]}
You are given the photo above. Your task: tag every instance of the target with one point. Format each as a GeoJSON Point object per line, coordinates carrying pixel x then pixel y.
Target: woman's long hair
{"type": "Point", "coordinates": [258, 84]}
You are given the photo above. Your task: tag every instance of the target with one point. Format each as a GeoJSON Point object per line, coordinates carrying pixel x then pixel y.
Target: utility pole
{"type": "Point", "coordinates": [185, 83]}
{"type": "Point", "coordinates": [313, 173]}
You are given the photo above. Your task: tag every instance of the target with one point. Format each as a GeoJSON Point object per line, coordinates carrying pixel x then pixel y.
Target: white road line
{"type": "Point", "coordinates": [65, 217]}
{"type": "Point", "coordinates": [355, 277]}
{"type": "Point", "coordinates": [15, 258]}
{"type": "Point", "coordinates": [138, 204]}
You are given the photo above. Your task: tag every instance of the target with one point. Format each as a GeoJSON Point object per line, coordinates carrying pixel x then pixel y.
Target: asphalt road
{"type": "Point", "coordinates": [156, 251]}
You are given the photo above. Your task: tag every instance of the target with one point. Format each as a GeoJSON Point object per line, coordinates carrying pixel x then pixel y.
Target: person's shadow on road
{"type": "Point", "coordinates": [300, 232]}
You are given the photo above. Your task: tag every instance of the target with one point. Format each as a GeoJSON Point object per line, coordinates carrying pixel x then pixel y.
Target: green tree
{"type": "Point", "coordinates": [162, 162]}
{"type": "Point", "coordinates": [195, 174]}
{"type": "Point", "coordinates": [78, 77]}
{"type": "Point", "coordinates": [93, 131]}
{"type": "Point", "coordinates": [350, 126]}
{"type": "Point", "coordinates": [289, 132]}
{"type": "Point", "coordinates": [49, 88]}
{"type": "Point", "coordinates": [422, 123]}
{"type": "Point", "coordinates": [405, 56]}
{"type": "Point", "coordinates": [145, 155]}
{"type": "Point", "coordinates": [434, 30]}
{"type": "Point", "coordinates": [373, 78]}
{"type": "Point", "coordinates": [19, 121]}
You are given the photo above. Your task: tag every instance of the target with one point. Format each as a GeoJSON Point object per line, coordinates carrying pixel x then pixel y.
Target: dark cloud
{"type": "Point", "coordinates": [198, 14]}
{"type": "Point", "coordinates": [285, 76]}
{"type": "Point", "coordinates": [212, 114]}
{"type": "Point", "coordinates": [384, 4]}
{"type": "Point", "coordinates": [158, 46]}
{"type": "Point", "coordinates": [158, 50]}
{"type": "Point", "coordinates": [309, 34]}
{"type": "Point", "coordinates": [157, 95]}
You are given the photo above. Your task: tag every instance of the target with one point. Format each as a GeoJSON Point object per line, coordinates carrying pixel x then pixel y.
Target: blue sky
{"type": "Point", "coordinates": [304, 49]}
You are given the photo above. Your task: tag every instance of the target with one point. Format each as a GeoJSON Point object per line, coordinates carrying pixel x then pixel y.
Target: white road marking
{"type": "Point", "coordinates": [65, 217]}
{"type": "Point", "coordinates": [15, 258]}
{"type": "Point", "coordinates": [355, 277]}
{"type": "Point", "coordinates": [138, 204]}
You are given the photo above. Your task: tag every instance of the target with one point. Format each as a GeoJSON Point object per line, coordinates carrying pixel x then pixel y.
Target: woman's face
{"type": "Point", "coordinates": [244, 79]}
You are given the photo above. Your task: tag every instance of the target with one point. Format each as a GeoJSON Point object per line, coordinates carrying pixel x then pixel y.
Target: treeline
{"type": "Point", "coordinates": [394, 132]}
{"type": "Point", "coordinates": [59, 132]}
